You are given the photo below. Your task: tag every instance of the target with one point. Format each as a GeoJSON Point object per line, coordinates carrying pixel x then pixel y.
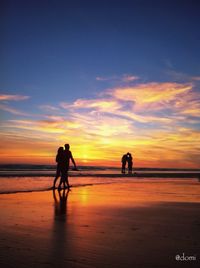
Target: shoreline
{"type": "Point", "coordinates": [109, 175]}
{"type": "Point", "coordinates": [14, 185]}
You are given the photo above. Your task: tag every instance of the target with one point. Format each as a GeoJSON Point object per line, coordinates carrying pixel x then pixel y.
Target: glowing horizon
{"type": "Point", "coordinates": [154, 121]}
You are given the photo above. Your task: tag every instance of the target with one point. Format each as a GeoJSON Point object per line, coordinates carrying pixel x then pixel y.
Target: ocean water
{"type": "Point", "coordinates": [41, 183]}
{"type": "Point", "coordinates": [40, 179]}
{"type": "Point", "coordinates": [171, 189]}
{"type": "Point", "coordinates": [16, 179]}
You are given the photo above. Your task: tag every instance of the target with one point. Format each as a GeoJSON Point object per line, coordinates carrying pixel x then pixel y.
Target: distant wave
{"type": "Point", "coordinates": [52, 168]}
{"type": "Point", "coordinates": [29, 167]}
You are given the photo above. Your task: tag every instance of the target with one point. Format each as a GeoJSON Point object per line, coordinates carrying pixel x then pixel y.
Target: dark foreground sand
{"type": "Point", "coordinates": [114, 225]}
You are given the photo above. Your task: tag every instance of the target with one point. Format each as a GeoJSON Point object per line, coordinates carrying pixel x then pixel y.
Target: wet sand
{"type": "Point", "coordinates": [115, 225]}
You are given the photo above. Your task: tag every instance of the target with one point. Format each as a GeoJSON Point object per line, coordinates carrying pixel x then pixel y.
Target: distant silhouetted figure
{"type": "Point", "coordinates": [130, 163]}
{"type": "Point", "coordinates": [67, 155]}
{"type": "Point", "coordinates": [60, 164]}
{"type": "Point", "coordinates": [124, 159]}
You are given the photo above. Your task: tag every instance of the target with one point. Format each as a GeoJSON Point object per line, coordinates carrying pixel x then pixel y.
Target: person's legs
{"type": "Point", "coordinates": [60, 183]}
{"type": "Point", "coordinates": [123, 167]}
{"type": "Point", "coordinates": [66, 179]}
{"type": "Point", "coordinates": [62, 180]}
{"type": "Point", "coordinates": [55, 180]}
{"type": "Point", "coordinates": [58, 171]}
{"type": "Point", "coordinates": [130, 168]}
{"type": "Point", "coordinates": [66, 176]}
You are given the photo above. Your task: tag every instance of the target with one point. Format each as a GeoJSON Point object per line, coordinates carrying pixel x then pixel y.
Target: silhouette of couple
{"type": "Point", "coordinates": [127, 158]}
{"type": "Point", "coordinates": [63, 159]}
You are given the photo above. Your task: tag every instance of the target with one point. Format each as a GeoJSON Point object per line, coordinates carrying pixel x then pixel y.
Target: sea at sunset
{"type": "Point", "coordinates": [106, 219]}
{"type": "Point", "coordinates": [25, 178]}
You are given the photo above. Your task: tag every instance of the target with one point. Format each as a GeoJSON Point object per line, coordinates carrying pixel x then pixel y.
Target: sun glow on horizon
{"type": "Point", "coordinates": [157, 122]}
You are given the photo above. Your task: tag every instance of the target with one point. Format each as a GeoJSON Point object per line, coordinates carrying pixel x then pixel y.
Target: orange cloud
{"type": "Point", "coordinates": [152, 120]}
{"type": "Point", "coordinates": [48, 126]}
{"type": "Point", "coordinates": [102, 105]}
{"type": "Point", "coordinates": [152, 95]}
{"type": "Point", "coordinates": [189, 105]}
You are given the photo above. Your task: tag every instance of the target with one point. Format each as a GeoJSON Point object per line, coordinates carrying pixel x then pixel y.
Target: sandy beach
{"type": "Point", "coordinates": [132, 224]}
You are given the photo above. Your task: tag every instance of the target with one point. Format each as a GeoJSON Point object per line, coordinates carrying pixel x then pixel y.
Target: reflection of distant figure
{"type": "Point", "coordinates": [59, 160]}
{"type": "Point", "coordinates": [124, 159]}
{"type": "Point", "coordinates": [130, 163]}
{"type": "Point", "coordinates": [67, 155]}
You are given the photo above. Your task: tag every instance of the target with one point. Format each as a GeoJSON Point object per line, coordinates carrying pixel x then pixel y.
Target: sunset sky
{"type": "Point", "coordinates": [107, 77]}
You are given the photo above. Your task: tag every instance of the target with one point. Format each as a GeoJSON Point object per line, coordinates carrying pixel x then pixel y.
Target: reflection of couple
{"type": "Point", "coordinates": [63, 158]}
{"type": "Point", "coordinates": [127, 158]}
{"type": "Point", "coordinates": [61, 203]}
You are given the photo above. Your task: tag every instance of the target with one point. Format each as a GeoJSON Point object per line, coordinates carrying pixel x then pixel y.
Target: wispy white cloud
{"type": "Point", "coordinates": [126, 78]}
{"type": "Point", "coordinates": [101, 78]}
{"type": "Point", "coordinates": [5, 97]}
{"type": "Point", "coordinates": [180, 76]}
{"type": "Point", "coordinates": [49, 108]}
{"type": "Point", "coordinates": [11, 110]}
{"type": "Point", "coordinates": [196, 78]}
{"type": "Point", "coordinates": [129, 78]}
{"type": "Point", "coordinates": [144, 103]}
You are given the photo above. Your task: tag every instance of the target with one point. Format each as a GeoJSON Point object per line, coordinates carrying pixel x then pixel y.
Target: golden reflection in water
{"type": "Point", "coordinates": [136, 193]}
{"type": "Point", "coordinates": [80, 226]}
{"type": "Point", "coordinates": [101, 220]}
{"type": "Point", "coordinates": [84, 194]}
{"type": "Point", "coordinates": [60, 228]}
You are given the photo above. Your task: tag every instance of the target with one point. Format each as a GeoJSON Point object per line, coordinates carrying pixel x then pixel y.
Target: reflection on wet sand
{"type": "Point", "coordinates": [60, 238]}
{"type": "Point", "coordinates": [101, 226]}
{"type": "Point", "coordinates": [60, 198]}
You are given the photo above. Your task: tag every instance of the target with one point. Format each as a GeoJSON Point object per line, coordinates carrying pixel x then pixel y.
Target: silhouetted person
{"type": "Point", "coordinates": [67, 156]}
{"type": "Point", "coordinates": [124, 159]}
{"type": "Point", "coordinates": [130, 163]}
{"type": "Point", "coordinates": [60, 163]}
